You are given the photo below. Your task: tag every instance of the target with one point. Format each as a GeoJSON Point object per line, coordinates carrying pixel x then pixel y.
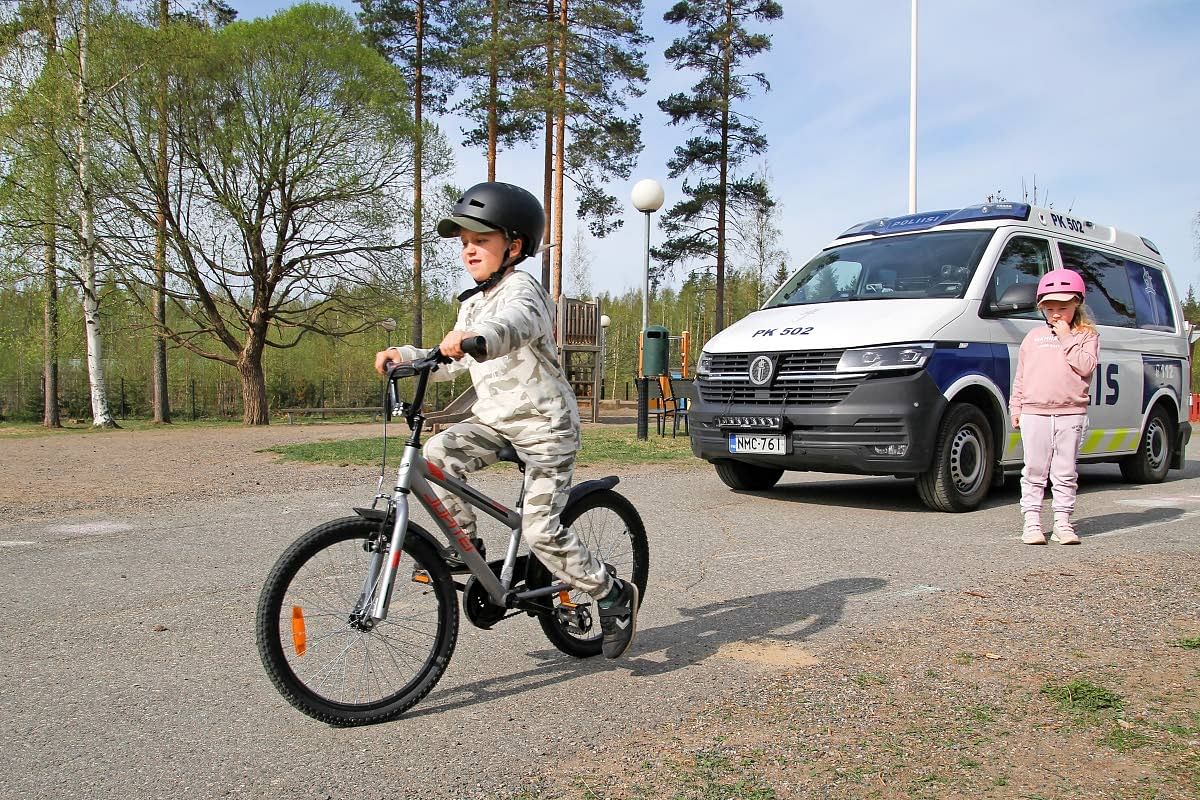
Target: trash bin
{"type": "Point", "coordinates": [655, 350]}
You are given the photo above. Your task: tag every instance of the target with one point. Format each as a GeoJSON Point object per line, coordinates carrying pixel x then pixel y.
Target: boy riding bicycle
{"type": "Point", "coordinates": [523, 397]}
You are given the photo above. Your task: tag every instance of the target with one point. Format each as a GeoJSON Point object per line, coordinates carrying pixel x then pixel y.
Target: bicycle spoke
{"type": "Point", "coordinates": [345, 664]}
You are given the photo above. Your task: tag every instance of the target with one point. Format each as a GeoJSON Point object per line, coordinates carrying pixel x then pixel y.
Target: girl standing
{"type": "Point", "coordinates": [1049, 402]}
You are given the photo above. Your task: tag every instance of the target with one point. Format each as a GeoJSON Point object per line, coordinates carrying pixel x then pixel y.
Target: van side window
{"type": "Point", "coordinates": [1150, 298]}
{"type": "Point", "coordinates": [1024, 260]}
{"type": "Point", "coordinates": [1109, 297]}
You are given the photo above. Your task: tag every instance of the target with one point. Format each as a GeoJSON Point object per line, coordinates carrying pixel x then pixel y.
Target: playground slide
{"type": "Point", "coordinates": [456, 410]}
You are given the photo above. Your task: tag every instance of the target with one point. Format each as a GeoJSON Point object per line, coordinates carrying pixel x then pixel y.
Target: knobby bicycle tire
{"type": "Point", "coordinates": [325, 666]}
{"type": "Point", "coordinates": [595, 519]}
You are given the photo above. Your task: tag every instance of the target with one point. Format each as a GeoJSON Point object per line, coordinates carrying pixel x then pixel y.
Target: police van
{"type": "Point", "coordinates": [892, 352]}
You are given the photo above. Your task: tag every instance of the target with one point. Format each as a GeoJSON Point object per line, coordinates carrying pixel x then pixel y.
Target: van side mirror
{"type": "Point", "coordinates": [1017, 298]}
{"type": "Point", "coordinates": [1193, 332]}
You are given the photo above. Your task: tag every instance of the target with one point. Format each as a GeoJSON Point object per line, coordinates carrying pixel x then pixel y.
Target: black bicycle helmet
{"type": "Point", "coordinates": [495, 206]}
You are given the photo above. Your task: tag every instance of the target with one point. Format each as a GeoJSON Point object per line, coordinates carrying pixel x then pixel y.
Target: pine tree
{"type": "Point", "coordinates": [415, 36]}
{"type": "Point", "coordinates": [717, 46]}
{"type": "Point", "coordinates": [600, 64]}
{"type": "Point", "coordinates": [496, 54]}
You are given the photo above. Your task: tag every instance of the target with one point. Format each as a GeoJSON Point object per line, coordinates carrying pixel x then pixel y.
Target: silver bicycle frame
{"type": "Point", "coordinates": [414, 477]}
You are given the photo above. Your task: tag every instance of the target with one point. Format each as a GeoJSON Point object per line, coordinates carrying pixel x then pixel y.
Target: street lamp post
{"type": "Point", "coordinates": [388, 325]}
{"type": "Point", "coordinates": [647, 197]}
{"type": "Point", "coordinates": [605, 321]}
{"type": "Point", "coordinates": [912, 116]}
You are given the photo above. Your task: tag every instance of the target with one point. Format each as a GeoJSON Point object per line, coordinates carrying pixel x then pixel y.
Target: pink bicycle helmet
{"type": "Point", "coordinates": [1061, 285]}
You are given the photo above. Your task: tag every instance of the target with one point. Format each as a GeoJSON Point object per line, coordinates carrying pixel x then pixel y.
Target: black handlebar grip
{"type": "Point", "coordinates": [475, 346]}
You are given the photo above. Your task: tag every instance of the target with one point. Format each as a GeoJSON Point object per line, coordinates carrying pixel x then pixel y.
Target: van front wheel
{"type": "Point", "coordinates": [961, 473]}
{"type": "Point", "coordinates": [746, 477]}
{"type": "Point", "coordinates": [1153, 457]}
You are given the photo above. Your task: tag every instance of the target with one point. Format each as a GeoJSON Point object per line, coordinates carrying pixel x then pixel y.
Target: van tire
{"type": "Point", "coordinates": [746, 477]}
{"type": "Point", "coordinates": [1153, 457]}
{"type": "Point", "coordinates": [963, 462]}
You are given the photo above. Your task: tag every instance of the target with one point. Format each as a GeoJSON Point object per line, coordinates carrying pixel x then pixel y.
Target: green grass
{"type": "Point", "coordinates": [1078, 695]}
{"type": "Point", "coordinates": [16, 430]}
{"type": "Point", "coordinates": [865, 679]}
{"type": "Point", "coordinates": [1123, 740]}
{"type": "Point", "coordinates": [713, 776]}
{"type": "Point", "coordinates": [1191, 643]}
{"type": "Point", "coordinates": [606, 444]}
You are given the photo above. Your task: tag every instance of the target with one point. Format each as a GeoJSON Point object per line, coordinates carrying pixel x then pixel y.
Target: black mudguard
{"type": "Point", "coordinates": [582, 490]}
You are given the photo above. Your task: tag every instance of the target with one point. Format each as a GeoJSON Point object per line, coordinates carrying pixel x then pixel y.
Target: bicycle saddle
{"type": "Point", "coordinates": [508, 453]}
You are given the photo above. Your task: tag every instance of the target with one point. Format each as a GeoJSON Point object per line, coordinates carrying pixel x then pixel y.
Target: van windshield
{"type": "Point", "coordinates": [931, 264]}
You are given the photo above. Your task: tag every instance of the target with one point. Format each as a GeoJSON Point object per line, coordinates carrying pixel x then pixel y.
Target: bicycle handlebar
{"type": "Point", "coordinates": [421, 368]}
{"type": "Point", "coordinates": [474, 346]}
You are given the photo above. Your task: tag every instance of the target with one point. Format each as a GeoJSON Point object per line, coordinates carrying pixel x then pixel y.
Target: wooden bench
{"type": "Point", "coordinates": [375, 411]}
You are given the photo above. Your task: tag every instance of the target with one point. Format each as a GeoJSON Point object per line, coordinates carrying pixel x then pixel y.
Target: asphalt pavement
{"type": "Point", "coordinates": [129, 668]}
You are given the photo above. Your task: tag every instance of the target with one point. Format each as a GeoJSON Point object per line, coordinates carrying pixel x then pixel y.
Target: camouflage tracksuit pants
{"type": "Point", "coordinates": [470, 446]}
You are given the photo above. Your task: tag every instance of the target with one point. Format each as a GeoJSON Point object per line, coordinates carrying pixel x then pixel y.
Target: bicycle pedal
{"type": "Point", "coordinates": [420, 576]}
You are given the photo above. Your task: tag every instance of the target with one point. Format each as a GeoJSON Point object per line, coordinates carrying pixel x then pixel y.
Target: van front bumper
{"type": "Point", "coordinates": [882, 415]}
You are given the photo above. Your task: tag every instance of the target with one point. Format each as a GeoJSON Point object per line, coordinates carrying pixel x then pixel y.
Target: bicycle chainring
{"type": "Point", "coordinates": [479, 608]}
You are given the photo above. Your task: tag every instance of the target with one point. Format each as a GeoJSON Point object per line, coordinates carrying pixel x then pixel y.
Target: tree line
{"type": "Point", "coordinates": [235, 190]}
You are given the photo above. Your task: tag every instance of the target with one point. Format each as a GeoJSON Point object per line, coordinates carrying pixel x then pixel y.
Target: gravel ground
{"type": "Point", "coordinates": [67, 471]}
{"type": "Point", "coordinates": [1050, 684]}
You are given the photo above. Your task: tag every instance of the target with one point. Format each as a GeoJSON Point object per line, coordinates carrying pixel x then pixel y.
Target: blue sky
{"type": "Point", "coordinates": [1098, 100]}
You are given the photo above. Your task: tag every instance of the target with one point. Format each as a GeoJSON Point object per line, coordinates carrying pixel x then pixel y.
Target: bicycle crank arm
{"type": "Point", "coordinates": [545, 591]}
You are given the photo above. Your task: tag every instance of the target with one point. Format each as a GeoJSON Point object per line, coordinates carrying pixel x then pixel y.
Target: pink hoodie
{"type": "Point", "coordinates": [1053, 377]}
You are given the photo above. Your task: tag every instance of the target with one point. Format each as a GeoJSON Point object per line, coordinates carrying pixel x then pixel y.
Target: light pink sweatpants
{"type": "Point", "coordinates": [1051, 444]}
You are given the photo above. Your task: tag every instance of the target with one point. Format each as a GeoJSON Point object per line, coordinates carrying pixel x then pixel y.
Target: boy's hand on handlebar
{"type": "Point", "coordinates": [385, 358]}
{"type": "Point", "coordinates": [451, 345]}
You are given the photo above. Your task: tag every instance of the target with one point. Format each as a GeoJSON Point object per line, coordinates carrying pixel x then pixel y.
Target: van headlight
{"type": "Point", "coordinates": [893, 356]}
{"type": "Point", "coordinates": [704, 365]}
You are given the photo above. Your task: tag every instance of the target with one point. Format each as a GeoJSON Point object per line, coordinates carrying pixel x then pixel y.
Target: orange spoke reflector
{"type": "Point", "coordinates": [299, 637]}
{"type": "Point", "coordinates": [420, 576]}
{"type": "Point", "coordinates": [564, 599]}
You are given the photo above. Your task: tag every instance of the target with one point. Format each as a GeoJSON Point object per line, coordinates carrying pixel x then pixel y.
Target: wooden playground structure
{"type": "Point", "coordinates": [580, 338]}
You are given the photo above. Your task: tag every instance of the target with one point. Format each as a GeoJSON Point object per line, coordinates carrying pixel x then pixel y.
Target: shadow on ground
{"type": "Point", "coordinates": [786, 617]}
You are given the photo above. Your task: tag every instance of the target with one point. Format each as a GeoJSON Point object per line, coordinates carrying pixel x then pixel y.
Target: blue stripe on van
{"type": "Point", "coordinates": [1161, 373]}
{"type": "Point", "coordinates": [953, 361]}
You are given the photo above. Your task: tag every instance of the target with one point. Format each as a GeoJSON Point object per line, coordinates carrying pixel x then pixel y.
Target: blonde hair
{"type": "Point", "coordinates": [1082, 320]}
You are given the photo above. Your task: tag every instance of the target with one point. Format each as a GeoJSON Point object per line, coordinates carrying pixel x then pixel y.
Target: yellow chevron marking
{"type": "Point", "coordinates": [1129, 441]}
{"type": "Point", "coordinates": [1109, 440]}
{"type": "Point", "coordinates": [1092, 442]}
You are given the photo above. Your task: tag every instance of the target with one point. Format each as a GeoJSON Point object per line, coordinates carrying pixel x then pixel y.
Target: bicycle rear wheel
{"type": "Point", "coordinates": [320, 652]}
{"type": "Point", "coordinates": [612, 529]}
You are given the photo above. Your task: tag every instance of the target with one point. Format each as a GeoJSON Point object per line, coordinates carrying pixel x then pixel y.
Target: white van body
{"type": "Point", "coordinates": [892, 352]}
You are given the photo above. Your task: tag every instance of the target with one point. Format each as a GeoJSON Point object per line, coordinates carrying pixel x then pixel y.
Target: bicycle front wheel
{"type": "Point", "coordinates": [612, 529]}
{"type": "Point", "coordinates": [324, 655]}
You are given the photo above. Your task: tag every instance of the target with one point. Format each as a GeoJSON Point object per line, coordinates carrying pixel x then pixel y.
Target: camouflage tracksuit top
{"type": "Point", "coordinates": [521, 383]}
{"type": "Point", "coordinates": [523, 400]}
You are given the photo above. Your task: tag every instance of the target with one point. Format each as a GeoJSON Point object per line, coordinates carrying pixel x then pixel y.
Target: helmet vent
{"type": "Point", "coordinates": [476, 203]}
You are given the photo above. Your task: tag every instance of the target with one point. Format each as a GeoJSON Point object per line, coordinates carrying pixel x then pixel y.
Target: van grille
{"type": "Point", "coordinates": [803, 378]}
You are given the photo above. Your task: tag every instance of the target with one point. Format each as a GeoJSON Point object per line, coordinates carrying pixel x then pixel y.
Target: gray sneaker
{"type": "Point", "coordinates": [619, 621]}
